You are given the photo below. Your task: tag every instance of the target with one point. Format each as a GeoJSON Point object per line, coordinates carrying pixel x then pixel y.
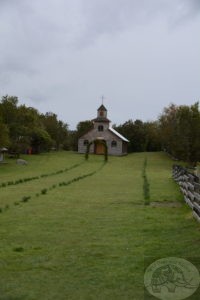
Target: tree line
{"type": "Point", "coordinates": [23, 129]}
{"type": "Point", "coordinates": [180, 132]}
{"type": "Point", "coordinates": [176, 131]}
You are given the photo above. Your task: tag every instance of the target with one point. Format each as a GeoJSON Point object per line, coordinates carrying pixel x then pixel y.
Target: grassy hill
{"type": "Point", "coordinates": [71, 229]}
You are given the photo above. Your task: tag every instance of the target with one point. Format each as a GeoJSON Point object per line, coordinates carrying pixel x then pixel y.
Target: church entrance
{"type": "Point", "coordinates": [99, 148]}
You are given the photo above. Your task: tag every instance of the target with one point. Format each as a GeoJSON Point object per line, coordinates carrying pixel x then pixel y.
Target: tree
{"type": "Point", "coordinates": [28, 128]}
{"type": "Point", "coordinates": [152, 136]}
{"type": "Point", "coordinates": [143, 136]}
{"type": "Point", "coordinates": [81, 128]}
{"type": "Point", "coordinates": [167, 125]}
{"type": "Point", "coordinates": [180, 131]}
{"type": "Point", "coordinates": [8, 109]}
{"type": "Point", "coordinates": [40, 140]}
{"type": "Point", "coordinates": [27, 119]}
{"type": "Point", "coordinates": [57, 130]}
{"type": "Point", "coordinates": [4, 135]}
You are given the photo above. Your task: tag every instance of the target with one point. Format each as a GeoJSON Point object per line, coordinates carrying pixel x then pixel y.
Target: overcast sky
{"type": "Point", "coordinates": [63, 55]}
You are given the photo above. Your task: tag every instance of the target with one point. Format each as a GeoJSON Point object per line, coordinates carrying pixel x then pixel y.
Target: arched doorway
{"type": "Point", "coordinates": [100, 147]}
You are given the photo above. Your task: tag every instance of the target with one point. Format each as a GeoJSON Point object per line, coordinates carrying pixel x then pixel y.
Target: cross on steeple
{"type": "Point", "coordinates": [102, 98]}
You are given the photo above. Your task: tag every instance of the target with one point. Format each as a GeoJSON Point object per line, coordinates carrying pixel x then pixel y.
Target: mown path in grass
{"type": "Point", "coordinates": [90, 239]}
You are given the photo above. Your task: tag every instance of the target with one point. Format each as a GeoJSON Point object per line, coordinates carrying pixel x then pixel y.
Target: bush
{"type": "Point", "coordinates": [18, 249]}
{"type": "Point", "coordinates": [26, 198]}
{"type": "Point", "coordinates": [43, 191]}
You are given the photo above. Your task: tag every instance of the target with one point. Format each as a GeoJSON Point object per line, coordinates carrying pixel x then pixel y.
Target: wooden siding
{"type": "Point", "coordinates": [108, 136]}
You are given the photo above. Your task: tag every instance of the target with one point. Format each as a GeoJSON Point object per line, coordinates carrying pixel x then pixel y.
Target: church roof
{"type": "Point", "coordinates": [102, 107]}
{"type": "Point", "coordinates": [118, 134]}
{"type": "Point", "coordinates": [101, 119]}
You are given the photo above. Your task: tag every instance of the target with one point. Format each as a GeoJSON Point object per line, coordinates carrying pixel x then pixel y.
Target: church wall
{"type": "Point", "coordinates": [114, 150]}
{"type": "Point", "coordinates": [82, 148]}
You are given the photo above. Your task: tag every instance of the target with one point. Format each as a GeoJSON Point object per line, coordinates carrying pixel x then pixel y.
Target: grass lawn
{"type": "Point", "coordinates": [71, 229]}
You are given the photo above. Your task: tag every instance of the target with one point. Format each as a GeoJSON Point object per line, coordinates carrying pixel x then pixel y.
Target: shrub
{"type": "Point", "coordinates": [43, 191]}
{"type": "Point", "coordinates": [10, 182]}
{"type": "Point", "coordinates": [18, 181]}
{"type": "Point", "coordinates": [25, 198]}
{"type": "Point", "coordinates": [44, 175]}
{"type": "Point", "coordinates": [18, 249]}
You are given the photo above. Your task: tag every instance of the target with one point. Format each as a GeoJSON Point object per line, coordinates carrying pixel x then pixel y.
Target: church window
{"type": "Point", "coordinates": [101, 113]}
{"type": "Point", "coordinates": [86, 142]}
{"type": "Point", "coordinates": [113, 144]}
{"type": "Point", "coordinates": [100, 128]}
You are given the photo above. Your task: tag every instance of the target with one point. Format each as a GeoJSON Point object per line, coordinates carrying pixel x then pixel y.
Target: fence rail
{"type": "Point", "coordinates": [190, 187]}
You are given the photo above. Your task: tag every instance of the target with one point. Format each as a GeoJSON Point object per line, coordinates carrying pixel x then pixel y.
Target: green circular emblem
{"type": "Point", "coordinates": [171, 278]}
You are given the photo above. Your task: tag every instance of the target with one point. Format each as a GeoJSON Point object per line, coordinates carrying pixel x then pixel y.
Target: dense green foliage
{"type": "Point", "coordinates": [177, 131]}
{"type": "Point", "coordinates": [80, 229]}
{"type": "Point", "coordinates": [57, 130]}
{"type": "Point", "coordinates": [143, 136]}
{"type": "Point", "coordinates": [180, 132]}
{"type": "Point", "coordinates": [23, 128]}
{"type": "Point", "coordinates": [4, 134]}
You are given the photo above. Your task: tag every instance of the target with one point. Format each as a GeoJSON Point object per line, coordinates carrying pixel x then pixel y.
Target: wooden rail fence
{"type": "Point", "coordinates": [190, 187]}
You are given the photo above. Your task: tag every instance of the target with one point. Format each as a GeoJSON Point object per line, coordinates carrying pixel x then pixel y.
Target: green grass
{"type": "Point", "coordinates": [85, 233]}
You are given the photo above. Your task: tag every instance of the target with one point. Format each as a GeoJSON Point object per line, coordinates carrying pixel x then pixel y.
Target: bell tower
{"type": "Point", "coordinates": [102, 112]}
{"type": "Point", "coordinates": [101, 123]}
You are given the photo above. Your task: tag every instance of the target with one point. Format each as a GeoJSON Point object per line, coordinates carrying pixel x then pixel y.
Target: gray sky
{"type": "Point", "coordinates": [62, 55]}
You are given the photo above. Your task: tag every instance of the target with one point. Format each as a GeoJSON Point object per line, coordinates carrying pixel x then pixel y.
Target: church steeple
{"type": "Point", "coordinates": [101, 122]}
{"type": "Point", "coordinates": [102, 115]}
{"type": "Point", "coordinates": [102, 112]}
